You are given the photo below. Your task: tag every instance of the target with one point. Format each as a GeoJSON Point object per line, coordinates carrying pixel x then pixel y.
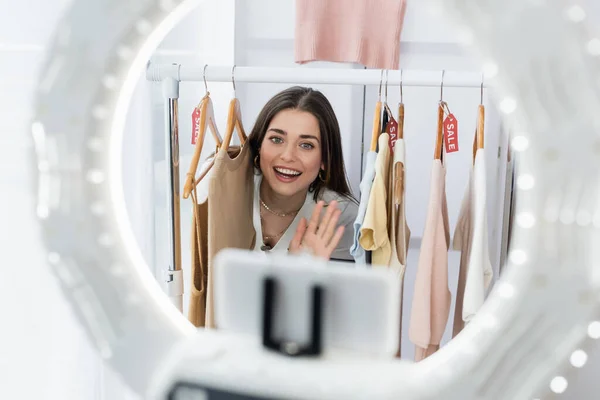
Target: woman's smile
{"type": "Point", "coordinates": [286, 175]}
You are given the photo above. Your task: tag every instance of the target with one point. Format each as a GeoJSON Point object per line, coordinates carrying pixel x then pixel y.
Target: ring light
{"type": "Point", "coordinates": [537, 323]}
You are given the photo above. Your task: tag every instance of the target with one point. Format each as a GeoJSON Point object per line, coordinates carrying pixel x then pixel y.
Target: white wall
{"type": "Point", "coordinates": [206, 36]}
{"type": "Point", "coordinates": [427, 44]}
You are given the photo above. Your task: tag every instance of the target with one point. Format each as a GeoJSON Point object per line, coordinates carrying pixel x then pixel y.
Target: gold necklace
{"type": "Point", "coordinates": [275, 212]}
{"type": "Point", "coordinates": [266, 237]}
{"type": "Point", "coordinates": [275, 236]}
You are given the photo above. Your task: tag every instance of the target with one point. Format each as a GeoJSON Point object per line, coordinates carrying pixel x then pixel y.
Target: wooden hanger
{"type": "Point", "coordinates": [234, 122]}
{"type": "Point", "coordinates": [480, 120]}
{"type": "Point", "coordinates": [207, 120]}
{"type": "Point", "coordinates": [439, 141]}
{"type": "Point", "coordinates": [234, 119]}
{"type": "Point", "coordinates": [401, 112]}
{"type": "Point", "coordinates": [377, 120]}
{"type": "Point", "coordinates": [478, 140]}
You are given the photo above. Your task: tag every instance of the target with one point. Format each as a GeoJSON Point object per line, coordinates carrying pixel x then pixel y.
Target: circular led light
{"type": "Point", "coordinates": [575, 13]}
{"type": "Point", "coordinates": [593, 47]}
{"type": "Point", "coordinates": [506, 290]}
{"type": "Point", "coordinates": [110, 82]}
{"type": "Point", "coordinates": [558, 384]}
{"type": "Point", "coordinates": [594, 330]}
{"type": "Point", "coordinates": [490, 70]}
{"type": "Point", "coordinates": [584, 218]}
{"type": "Point", "coordinates": [508, 105]}
{"type": "Point", "coordinates": [77, 138]}
{"type": "Point", "coordinates": [526, 220]}
{"type": "Point", "coordinates": [518, 257]}
{"type": "Point", "coordinates": [100, 112]}
{"type": "Point", "coordinates": [520, 143]}
{"type": "Point", "coordinates": [567, 216]}
{"type": "Point", "coordinates": [525, 182]}
{"type": "Point", "coordinates": [578, 358]}
{"type": "Point", "coordinates": [596, 220]}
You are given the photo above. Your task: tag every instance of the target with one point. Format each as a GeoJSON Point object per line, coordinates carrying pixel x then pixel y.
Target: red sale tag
{"type": "Point", "coordinates": [392, 130]}
{"type": "Point", "coordinates": [451, 133]}
{"type": "Point", "coordinates": [195, 124]}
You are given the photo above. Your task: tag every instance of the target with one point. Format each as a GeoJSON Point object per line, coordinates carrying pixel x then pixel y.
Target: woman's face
{"type": "Point", "coordinates": [290, 154]}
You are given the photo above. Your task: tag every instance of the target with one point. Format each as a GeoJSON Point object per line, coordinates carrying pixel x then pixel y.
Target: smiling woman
{"type": "Point", "coordinates": [297, 152]}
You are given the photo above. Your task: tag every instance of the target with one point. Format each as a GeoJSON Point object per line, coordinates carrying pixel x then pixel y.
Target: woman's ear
{"type": "Point", "coordinates": [323, 166]}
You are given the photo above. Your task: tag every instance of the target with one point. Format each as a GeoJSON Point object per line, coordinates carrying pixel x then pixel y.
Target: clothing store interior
{"type": "Point", "coordinates": [316, 199]}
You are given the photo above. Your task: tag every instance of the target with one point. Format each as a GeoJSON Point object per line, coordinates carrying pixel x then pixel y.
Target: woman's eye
{"type": "Point", "coordinates": [307, 146]}
{"type": "Point", "coordinates": [276, 140]}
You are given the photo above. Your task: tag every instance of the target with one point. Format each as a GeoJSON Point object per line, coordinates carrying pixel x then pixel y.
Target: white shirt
{"type": "Point", "coordinates": [471, 236]}
{"type": "Point", "coordinates": [348, 207]}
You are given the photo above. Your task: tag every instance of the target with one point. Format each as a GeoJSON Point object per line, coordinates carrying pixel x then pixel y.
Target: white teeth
{"type": "Point", "coordinates": [287, 171]}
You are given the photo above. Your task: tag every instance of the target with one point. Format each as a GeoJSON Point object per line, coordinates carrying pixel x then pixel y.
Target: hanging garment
{"type": "Point", "coordinates": [366, 183]}
{"type": "Point", "coordinates": [385, 119]}
{"type": "Point", "coordinates": [199, 256]}
{"type": "Point", "coordinates": [229, 212]}
{"type": "Point", "coordinates": [199, 244]}
{"type": "Point", "coordinates": [360, 255]}
{"type": "Point", "coordinates": [399, 231]}
{"type": "Point", "coordinates": [391, 128]}
{"type": "Point", "coordinates": [349, 31]}
{"type": "Point", "coordinates": [471, 238]}
{"type": "Point", "coordinates": [374, 232]}
{"type": "Point", "coordinates": [199, 260]}
{"type": "Point", "coordinates": [431, 301]}
{"type": "Point", "coordinates": [349, 211]}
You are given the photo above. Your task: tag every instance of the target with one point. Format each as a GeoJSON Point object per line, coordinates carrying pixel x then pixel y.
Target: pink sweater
{"type": "Point", "coordinates": [354, 31]}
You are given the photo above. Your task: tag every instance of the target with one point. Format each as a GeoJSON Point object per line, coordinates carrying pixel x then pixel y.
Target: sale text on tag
{"type": "Point", "coordinates": [450, 132]}
{"type": "Point", "coordinates": [195, 124]}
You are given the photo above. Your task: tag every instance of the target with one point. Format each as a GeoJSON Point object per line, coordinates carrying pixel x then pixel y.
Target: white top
{"type": "Point", "coordinates": [479, 269]}
{"type": "Point", "coordinates": [366, 183]}
{"type": "Point", "coordinates": [348, 207]}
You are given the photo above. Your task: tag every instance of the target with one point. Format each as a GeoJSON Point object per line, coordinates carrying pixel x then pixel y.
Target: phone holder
{"type": "Point", "coordinates": [292, 348]}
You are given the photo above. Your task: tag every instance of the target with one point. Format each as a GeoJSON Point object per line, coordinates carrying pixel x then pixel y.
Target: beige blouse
{"type": "Point", "coordinates": [432, 298]}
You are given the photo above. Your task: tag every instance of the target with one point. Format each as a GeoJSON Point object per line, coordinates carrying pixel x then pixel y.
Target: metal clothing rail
{"type": "Point", "coordinates": [308, 75]}
{"type": "Point", "coordinates": [172, 74]}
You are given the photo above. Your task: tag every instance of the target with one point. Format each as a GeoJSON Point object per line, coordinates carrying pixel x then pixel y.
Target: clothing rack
{"type": "Point", "coordinates": [170, 75]}
{"type": "Point", "coordinates": [309, 75]}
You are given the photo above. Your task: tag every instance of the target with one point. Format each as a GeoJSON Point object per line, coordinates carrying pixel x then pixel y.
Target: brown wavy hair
{"type": "Point", "coordinates": [314, 102]}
